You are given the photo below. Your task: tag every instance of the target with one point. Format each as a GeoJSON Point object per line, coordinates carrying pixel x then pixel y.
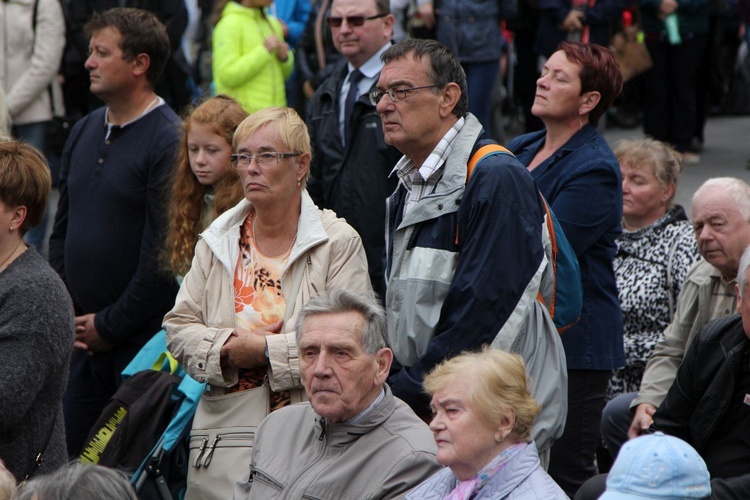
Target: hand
{"type": "Point", "coordinates": [572, 21]}
{"type": "Point", "coordinates": [86, 336]}
{"type": "Point", "coordinates": [246, 348]}
{"type": "Point", "coordinates": [308, 89]}
{"type": "Point", "coordinates": [282, 52]}
{"type": "Point", "coordinates": [642, 420]}
{"type": "Point", "coordinates": [427, 13]}
{"type": "Point", "coordinates": [284, 28]}
{"type": "Point", "coordinates": [667, 7]}
{"type": "Point", "coordinates": [271, 43]}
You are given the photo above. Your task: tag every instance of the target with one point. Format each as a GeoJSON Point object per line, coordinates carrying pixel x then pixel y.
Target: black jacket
{"type": "Point", "coordinates": [352, 180]}
{"type": "Point", "coordinates": [700, 395]}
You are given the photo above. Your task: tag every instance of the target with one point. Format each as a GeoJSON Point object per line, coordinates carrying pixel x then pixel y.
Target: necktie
{"type": "Point", "coordinates": [354, 77]}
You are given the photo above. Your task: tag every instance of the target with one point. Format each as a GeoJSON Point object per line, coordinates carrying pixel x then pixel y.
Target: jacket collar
{"type": "Point", "coordinates": [536, 140]}
{"type": "Point", "coordinates": [223, 235]}
{"type": "Point", "coordinates": [454, 176]}
{"type": "Point", "coordinates": [344, 433]}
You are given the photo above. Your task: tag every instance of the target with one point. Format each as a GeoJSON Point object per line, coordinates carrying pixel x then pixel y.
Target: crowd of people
{"type": "Point", "coordinates": [362, 283]}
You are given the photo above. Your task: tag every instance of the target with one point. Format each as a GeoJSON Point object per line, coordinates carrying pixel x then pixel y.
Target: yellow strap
{"type": "Point", "coordinates": [166, 356]}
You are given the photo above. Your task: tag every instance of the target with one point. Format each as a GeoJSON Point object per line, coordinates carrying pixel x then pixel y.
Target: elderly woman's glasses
{"type": "Point", "coordinates": [396, 94]}
{"type": "Point", "coordinates": [267, 159]}
{"type": "Point", "coordinates": [353, 21]}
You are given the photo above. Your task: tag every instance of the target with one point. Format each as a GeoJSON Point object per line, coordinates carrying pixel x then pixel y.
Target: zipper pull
{"type": "Point", "coordinates": [197, 462]}
{"type": "Point", "coordinates": [211, 449]}
{"type": "Point", "coordinates": [322, 429]}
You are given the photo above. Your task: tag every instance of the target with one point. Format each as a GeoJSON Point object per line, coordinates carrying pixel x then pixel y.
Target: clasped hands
{"type": "Point", "coordinates": [274, 45]}
{"type": "Point", "coordinates": [246, 348]}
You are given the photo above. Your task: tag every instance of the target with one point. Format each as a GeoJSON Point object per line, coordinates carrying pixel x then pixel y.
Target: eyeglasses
{"type": "Point", "coordinates": [396, 94]}
{"type": "Point", "coordinates": [268, 159]}
{"type": "Point", "coordinates": [353, 21]}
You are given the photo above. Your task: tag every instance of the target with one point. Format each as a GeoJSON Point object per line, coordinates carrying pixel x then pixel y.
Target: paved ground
{"type": "Point", "coordinates": [726, 153]}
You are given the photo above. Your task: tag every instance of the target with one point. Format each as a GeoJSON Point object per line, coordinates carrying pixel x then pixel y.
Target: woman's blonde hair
{"type": "Point", "coordinates": [664, 161]}
{"type": "Point", "coordinates": [287, 123]}
{"type": "Point", "coordinates": [499, 387]}
{"type": "Point", "coordinates": [186, 204]}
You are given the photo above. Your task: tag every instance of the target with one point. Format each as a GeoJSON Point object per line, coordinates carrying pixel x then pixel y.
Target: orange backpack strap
{"type": "Point", "coordinates": [480, 154]}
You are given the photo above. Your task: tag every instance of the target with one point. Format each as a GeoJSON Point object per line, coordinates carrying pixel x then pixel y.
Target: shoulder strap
{"type": "Point", "coordinates": [479, 155]}
{"type": "Point", "coordinates": [482, 153]}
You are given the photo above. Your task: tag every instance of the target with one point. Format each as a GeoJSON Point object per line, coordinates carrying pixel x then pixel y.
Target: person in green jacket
{"type": "Point", "coordinates": [251, 61]}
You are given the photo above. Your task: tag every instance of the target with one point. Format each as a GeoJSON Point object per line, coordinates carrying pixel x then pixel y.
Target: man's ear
{"type": "Point", "coordinates": [449, 96]}
{"type": "Point", "coordinates": [141, 63]}
{"type": "Point", "coordinates": [383, 358]}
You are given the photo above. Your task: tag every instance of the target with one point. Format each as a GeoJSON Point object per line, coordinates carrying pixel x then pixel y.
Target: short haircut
{"type": "Point", "coordinates": [742, 271]}
{"type": "Point", "coordinates": [664, 162]}
{"type": "Point", "coordinates": [25, 180]}
{"type": "Point", "coordinates": [737, 189]}
{"type": "Point", "coordinates": [79, 481]}
{"type": "Point", "coordinates": [383, 6]}
{"type": "Point", "coordinates": [141, 32]}
{"type": "Point", "coordinates": [444, 67]}
{"type": "Point", "coordinates": [374, 332]}
{"type": "Point", "coordinates": [599, 72]}
{"type": "Point", "coordinates": [290, 127]}
{"type": "Point", "coordinates": [499, 387]}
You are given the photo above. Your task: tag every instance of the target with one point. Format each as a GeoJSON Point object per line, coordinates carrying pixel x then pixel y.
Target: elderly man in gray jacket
{"type": "Point", "coordinates": [353, 439]}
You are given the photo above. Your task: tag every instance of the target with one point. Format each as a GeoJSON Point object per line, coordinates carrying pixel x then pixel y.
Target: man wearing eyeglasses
{"type": "Point", "coordinates": [463, 260]}
{"type": "Point", "coordinates": [351, 162]}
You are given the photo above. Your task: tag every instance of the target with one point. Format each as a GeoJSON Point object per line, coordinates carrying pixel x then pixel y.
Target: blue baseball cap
{"type": "Point", "coordinates": [656, 466]}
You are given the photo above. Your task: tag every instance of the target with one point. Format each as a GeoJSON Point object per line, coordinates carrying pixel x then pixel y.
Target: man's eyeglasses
{"type": "Point", "coordinates": [396, 94]}
{"type": "Point", "coordinates": [353, 21]}
{"type": "Point", "coordinates": [268, 159]}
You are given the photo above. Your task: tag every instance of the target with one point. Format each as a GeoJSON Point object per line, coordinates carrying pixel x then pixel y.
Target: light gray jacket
{"type": "Point", "coordinates": [693, 310]}
{"type": "Point", "coordinates": [30, 58]}
{"type": "Point", "coordinates": [299, 454]}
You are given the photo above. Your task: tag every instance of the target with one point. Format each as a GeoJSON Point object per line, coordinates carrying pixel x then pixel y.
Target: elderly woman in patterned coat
{"type": "Point", "coordinates": [654, 253]}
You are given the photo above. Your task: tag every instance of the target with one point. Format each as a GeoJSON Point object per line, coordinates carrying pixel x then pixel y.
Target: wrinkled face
{"type": "Point", "coordinates": [109, 72]}
{"type": "Point", "coordinates": [359, 43]}
{"type": "Point", "coordinates": [721, 232]}
{"type": "Point", "coordinates": [208, 154]}
{"type": "Point", "coordinates": [644, 197]}
{"type": "Point", "coordinates": [464, 441]}
{"type": "Point", "coordinates": [277, 183]}
{"type": "Point", "coordinates": [558, 89]}
{"type": "Point", "coordinates": [340, 378]}
{"type": "Point", "coordinates": [414, 124]}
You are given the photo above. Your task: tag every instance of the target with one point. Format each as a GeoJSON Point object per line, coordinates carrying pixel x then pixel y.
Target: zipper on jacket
{"type": "Point", "coordinates": [261, 477]}
{"type": "Point", "coordinates": [211, 449]}
{"type": "Point", "coordinates": [197, 461]}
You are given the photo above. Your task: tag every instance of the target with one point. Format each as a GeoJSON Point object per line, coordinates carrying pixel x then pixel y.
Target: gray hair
{"type": "Point", "coordinates": [79, 481]}
{"type": "Point", "coordinates": [444, 67]}
{"type": "Point", "coordinates": [374, 333]}
{"type": "Point", "coordinates": [742, 271]}
{"type": "Point", "coordinates": [737, 189]}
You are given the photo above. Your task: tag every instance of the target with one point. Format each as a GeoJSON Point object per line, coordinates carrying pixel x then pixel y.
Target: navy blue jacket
{"type": "Point", "coordinates": [464, 293]}
{"type": "Point", "coordinates": [471, 28]}
{"type": "Point", "coordinates": [111, 221]}
{"type": "Point", "coordinates": [583, 185]}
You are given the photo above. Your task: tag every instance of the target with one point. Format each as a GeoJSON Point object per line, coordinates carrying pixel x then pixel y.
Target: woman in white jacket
{"type": "Point", "coordinates": [32, 43]}
{"type": "Point", "coordinates": [254, 268]}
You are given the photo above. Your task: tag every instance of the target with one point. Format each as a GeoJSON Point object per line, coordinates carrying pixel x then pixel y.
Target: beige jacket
{"type": "Point", "coordinates": [30, 58]}
{"type": "Point", "coordinates": [705, 295]}
{"type": "Point", "coordinates": [327, 254]}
